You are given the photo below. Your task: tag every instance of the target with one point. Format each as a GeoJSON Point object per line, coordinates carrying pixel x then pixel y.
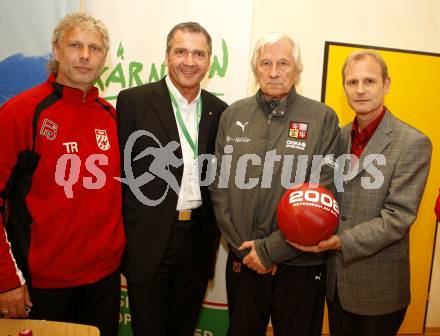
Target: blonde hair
{"type": "Point", "coordinates": [362, 54]}
{"type": "Point", "coordinates": [83, 21]}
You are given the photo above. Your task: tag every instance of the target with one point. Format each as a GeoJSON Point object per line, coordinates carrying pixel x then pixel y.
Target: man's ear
{"type": "Point", "coordinates": [297, 75]}
{"type": "Point", "coordinates": [55, 51]}
{"type": "Point", "coordinates": [387, 84]}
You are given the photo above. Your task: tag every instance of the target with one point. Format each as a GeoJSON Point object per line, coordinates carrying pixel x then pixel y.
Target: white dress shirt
{"type": "Point", "coordinates": [189, 195]}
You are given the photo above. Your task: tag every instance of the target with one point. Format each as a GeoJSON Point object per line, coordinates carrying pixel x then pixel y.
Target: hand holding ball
{"type": "Point", "coordinates": [307, 214]}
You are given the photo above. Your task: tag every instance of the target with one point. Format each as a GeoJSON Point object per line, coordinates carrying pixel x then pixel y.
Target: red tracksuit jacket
{"type": "Point", "coordinates": [53, 233]}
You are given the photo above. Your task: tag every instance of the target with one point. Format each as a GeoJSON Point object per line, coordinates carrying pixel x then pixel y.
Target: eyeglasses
{"type": "Point", "coordinates": [267, 65]}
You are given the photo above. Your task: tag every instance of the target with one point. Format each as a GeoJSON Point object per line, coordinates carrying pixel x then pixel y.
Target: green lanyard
{"type": "Point", "coordinates": [194, 144]}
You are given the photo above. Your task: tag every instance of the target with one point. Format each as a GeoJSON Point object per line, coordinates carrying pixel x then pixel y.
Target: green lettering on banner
{"type": "Point", "coordinates": [116, 76]}
{"type": "Point", "coordinates": [154, 77]}
{"type": "Point", "coordinates": [216, 67]}
{"type": "Point", "coordinates": [124, 315]}
{"type": "Point", "coordinates": [212, 322]}
{"type": "Point", "coordinates": [99, 80]}
{"type": "Point", "coordinates": [136, 69]}
{"type": "Point", "coordinates": [120, 52]}
{"type": "Point", "coordinates": [133, 73]}
{"type": "Point", "coordinates": [163, 70]}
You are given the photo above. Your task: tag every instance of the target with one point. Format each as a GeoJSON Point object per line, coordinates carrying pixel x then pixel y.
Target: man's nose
{"type": "Point", "coordinates": [189, 58]}
{"type": "Point", "coordinates": [360, 88]}
{"type": "Point", "coordinates": [274, 70]}
{"type": "Point", "coordinates": [85, 53]}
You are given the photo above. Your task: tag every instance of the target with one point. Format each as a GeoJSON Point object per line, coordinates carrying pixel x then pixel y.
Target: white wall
{"type": "Point", "coordinates": [401, 24]}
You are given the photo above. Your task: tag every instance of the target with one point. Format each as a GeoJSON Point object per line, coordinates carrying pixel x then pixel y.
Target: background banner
{"type": "Point", "coordinates": [138, 32]}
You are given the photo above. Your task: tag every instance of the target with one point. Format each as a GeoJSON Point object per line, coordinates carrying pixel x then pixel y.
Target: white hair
{"type": "Point", "coordinates": [271, 39]}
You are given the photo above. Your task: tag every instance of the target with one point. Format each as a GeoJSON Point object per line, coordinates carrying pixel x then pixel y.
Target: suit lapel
{"type": "Point", "coordinates": [165, 113]}
{"type": "Point", "coordinates": [346, 138]}
{"type": "Point", "coordinates": [346, 147]}
{"type": "Point", "coordinates": [205, 124]}
{"type": "Point", "coordinates": [378, 142]}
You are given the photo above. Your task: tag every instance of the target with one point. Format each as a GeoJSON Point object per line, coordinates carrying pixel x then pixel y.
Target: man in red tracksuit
{"type": "Point", "coordinates": [61, 233]}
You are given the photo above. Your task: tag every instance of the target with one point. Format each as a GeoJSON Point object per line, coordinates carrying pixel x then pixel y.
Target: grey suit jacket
{"type": "Point", "coordinates": [371, 271]}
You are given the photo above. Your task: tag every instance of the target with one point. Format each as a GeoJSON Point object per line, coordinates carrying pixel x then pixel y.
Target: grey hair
{"type": "Point", "coordinates": [83, 21]}
{"type": "Point", "coordinates": [362, 54]}
{"type": "Point", "coordinates": [192, 27]}
{"type": "Point", "coordinates": [271, 39]}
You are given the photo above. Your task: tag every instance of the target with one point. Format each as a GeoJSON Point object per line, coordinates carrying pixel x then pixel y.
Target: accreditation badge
{"type": "Point", "coordinates": [193, 186]}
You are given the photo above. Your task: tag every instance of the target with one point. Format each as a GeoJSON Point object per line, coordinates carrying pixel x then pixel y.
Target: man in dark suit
{"type": "Point", "coordinates": [172, 237]}
{"type": "Point", "coordinates": [368, 272]}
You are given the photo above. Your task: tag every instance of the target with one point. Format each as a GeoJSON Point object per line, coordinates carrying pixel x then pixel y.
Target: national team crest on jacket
{"type": "Point", "coordinates": [102, 139]}
{"type": "Point", "coordinates": [298, 130]}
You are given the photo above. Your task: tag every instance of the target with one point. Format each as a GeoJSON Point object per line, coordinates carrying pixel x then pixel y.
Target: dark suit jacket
{"type": "Point", "coordinates": [372, 272]}
{"type": "Point", "coordinates": [148, 107]}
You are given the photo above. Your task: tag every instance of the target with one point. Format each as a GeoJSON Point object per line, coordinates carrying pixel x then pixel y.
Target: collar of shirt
{"type": "Point", "coordinates": [73, 94]}
{"type": "Point", "coordinates": [176, 93]}
{"type": "Point", "coordinates": [360, 139]}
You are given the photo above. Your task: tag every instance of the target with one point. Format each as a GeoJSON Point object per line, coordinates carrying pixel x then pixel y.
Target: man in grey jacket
{"type": "Point", "coordinates": [265, 144]}
{"type": "Point", "coordinates": [368, 270]}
